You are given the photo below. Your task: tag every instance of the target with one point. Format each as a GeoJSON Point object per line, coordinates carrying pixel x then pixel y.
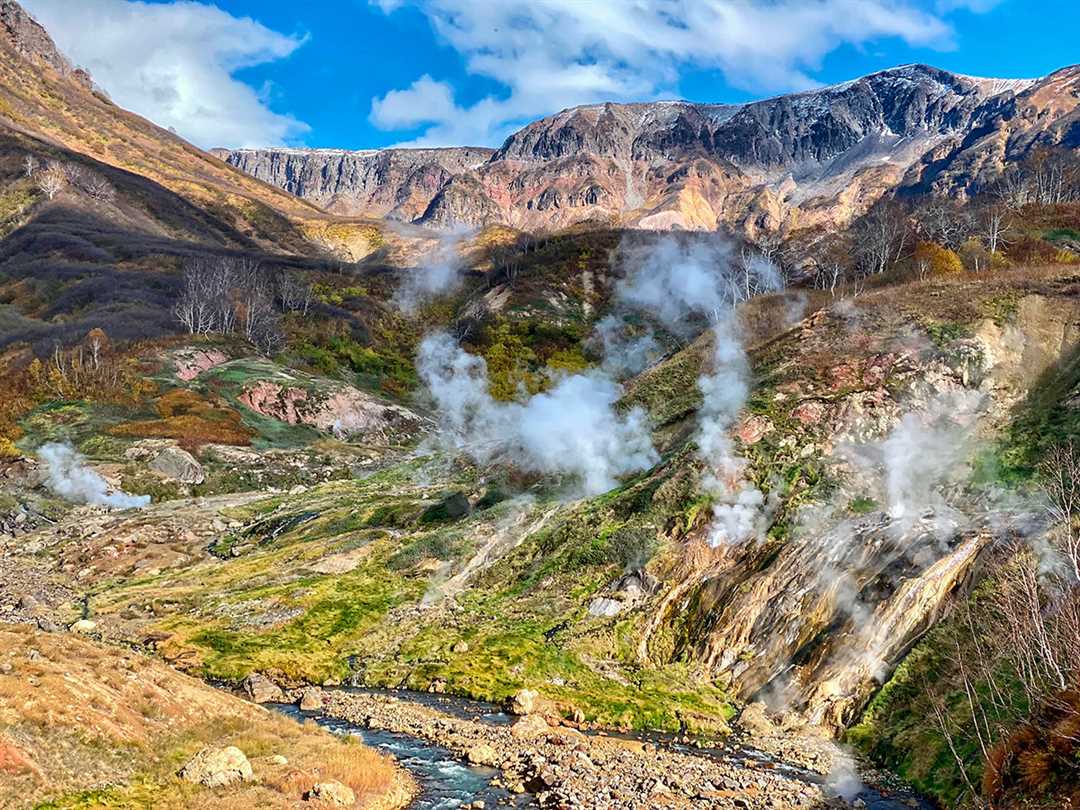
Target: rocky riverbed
{"type": "Point", "coordinates": [564, 767]}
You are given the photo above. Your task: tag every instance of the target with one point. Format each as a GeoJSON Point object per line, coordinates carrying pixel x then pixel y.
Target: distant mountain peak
{"type": "Point", "coordinates": [813, 158]}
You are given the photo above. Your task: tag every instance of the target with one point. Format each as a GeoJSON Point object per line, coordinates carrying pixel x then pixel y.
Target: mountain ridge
{"type": "Point", "coordinates": [818, 157]}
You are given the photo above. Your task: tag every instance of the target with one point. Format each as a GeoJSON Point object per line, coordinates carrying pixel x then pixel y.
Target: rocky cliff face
{"type": "Point", "coordinates": [393, 183]}
{"type": "Point", "coordinates": [31, 41]}
{"type": "Point", "coordinates": [795, 161]}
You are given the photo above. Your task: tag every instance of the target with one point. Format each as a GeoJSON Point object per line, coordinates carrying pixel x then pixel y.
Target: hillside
{"type": "Point", "coordinates": [729, 461]}
{"type": "Point", "coordinates": [95, 198]}
{"type": "Point", "coordinates": [813, 159]}
{"type": "Point", "coordinates": [87, 725]}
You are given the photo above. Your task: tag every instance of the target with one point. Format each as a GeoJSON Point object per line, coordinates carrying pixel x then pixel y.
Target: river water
{"type": "Point", "coordinates": [446, 782]}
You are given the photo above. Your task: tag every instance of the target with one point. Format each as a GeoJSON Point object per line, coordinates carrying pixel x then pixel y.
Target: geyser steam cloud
{"type": "Point", "coordinates": [71, 479]}
{"type": "Point", "coordinates": [677, 280]}
{"type": "Point", "coordinates": [573, 429]}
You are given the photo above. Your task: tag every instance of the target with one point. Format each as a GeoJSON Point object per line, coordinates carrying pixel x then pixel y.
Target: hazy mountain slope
{"type": "Point", "coordinates": [814, 158]}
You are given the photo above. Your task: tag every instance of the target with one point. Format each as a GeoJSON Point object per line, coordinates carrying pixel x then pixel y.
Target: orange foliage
{"type": "Point", "coordinates": [1040, 757]}
{"type": "Point", "coordinates": [191, 420]}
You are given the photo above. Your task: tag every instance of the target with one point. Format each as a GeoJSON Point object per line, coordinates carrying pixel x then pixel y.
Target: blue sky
{"type": "Point", "coordinates": [358, 74]}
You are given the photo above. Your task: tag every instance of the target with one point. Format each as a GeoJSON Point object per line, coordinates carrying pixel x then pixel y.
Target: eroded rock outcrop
{"type": "Point", "coordinates": [342, 410]}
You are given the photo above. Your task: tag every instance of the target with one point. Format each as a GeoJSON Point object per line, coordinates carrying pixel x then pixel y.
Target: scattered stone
{"type": "Point", "coordinates": [460, 647]}
{"type": "Point", "coordinates": [754, 719]}
{"type": "Point", "coordinates": [278, 759]}
{"type": "Point", "coordinates": [83, 626]}
{"type": "Point", "coordinates": [483, 754]}
{"type": "Point", "coordinates": [28, 603]}
{"type": "Point", "coordinates": [261, 689]}
{"type": "Point", "coordinates": [216, 767]}
{"type": "Point", "coordinates": [333, 792]}
{"type": "Point", "coordinates": [532, 725]}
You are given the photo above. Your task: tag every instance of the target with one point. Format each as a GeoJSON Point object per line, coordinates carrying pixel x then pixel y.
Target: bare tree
{"type": "Point", "coordinates": [995, 226]}
{"type": "Point", "coordinates": [97, 187]}
{"type": "Point", "coordinates": [52, 179]}
{"type": "Point", "coordinates": [1060, 474]}
{"type": "Point", "coordinates": [880, 237]}
{"type": "Point", "coordinates": [294, 292]}
{"type": "Point", "coordinates": [945, 222]}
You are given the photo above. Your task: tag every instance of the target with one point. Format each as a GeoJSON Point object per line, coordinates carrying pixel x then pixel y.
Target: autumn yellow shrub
{"type": "Point", "coordinates": [931, 259]}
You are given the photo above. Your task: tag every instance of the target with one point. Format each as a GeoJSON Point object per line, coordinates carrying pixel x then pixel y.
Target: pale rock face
{"type": "Point", "coordinates": [261, 689]}
{"type": "Point", "coordinates": [217, 767]}
{"type": "Point", "coordinates": [177, 464]}
{"type": "Point", "coordinates": [333, 792]}
{"type": "Point", "coordinates": [817, 158]}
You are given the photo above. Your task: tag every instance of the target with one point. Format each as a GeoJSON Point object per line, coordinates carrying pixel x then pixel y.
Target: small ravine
{"type": "Point", "coordinates": [446, 782]}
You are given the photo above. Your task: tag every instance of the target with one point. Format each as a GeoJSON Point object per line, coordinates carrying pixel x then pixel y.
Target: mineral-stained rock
{"type": "Point", "coordinates": [216, 767]}
{"type": "Point", "coordinates": [342, 410]}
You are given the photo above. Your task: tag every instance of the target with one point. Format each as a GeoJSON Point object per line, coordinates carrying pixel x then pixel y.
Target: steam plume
{"type": "Point", "coordinates": [573, 429]}
{"type": "Point", "coordinates": [677, 281]}
{"type": "Point", "coordinates": [439, 274]}
{"type": "Point", "coordinates": [71, 479]}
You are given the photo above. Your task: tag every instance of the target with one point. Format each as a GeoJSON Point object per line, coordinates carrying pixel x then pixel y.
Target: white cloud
{"type": "Point", "coordinates": [174, 63]}
{"type": "Point", "coordinates": [552, 54]}
{"type": "Point", "coordinates": [425, 101]}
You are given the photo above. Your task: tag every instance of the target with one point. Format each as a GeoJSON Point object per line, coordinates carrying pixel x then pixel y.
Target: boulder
{"type": "Point", "coordinates": [606, 608]}
{"type": "Point", "coordinates": [311, 700]}
{"type": "Point", "coordinates": [532, 725]}
{"type": "Point", "coordinates": [524, 702]}
{"type": "Point", "coordinates": [483, 754]}
{"type": "Point", "coordinates": [177, 464]}
{"type": "Point", "coordinates": [754, 719]}
{"type": "Point", "coordinates": [84, 626]}
{"type": "Point", "coordinates": [332, 792]}
{"type": "Point", "coordinates": [216, 767]}
{"type": "Point", "coordinates": [261, 689]}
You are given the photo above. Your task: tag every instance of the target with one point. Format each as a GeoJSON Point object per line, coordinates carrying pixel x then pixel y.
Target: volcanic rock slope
{"type": "Point", "coordinates": [794, 161]}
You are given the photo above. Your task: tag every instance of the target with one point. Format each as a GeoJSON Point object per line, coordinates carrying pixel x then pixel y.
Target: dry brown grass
{"type": "Point", "coordinates": [77, 715]}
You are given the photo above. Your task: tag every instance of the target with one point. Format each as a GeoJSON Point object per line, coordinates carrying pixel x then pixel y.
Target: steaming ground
{"type": "Point", "coordinates": [71, 479]}
{"type": "Point", "coordinates": [573, 429]}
